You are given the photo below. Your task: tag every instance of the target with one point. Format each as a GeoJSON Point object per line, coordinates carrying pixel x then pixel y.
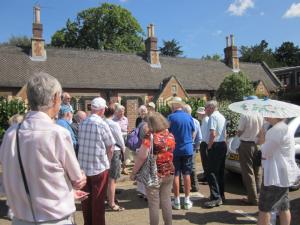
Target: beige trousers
{"type": "Point", "coordinates": [160, 197]}
{"type": "Point", "coordinates": [252, 174]}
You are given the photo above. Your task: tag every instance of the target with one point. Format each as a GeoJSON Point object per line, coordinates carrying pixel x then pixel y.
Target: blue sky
{"type": "Point", "coordinates": [200, 26]}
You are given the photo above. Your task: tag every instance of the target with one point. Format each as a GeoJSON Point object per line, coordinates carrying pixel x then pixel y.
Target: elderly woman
{"type": "Point", "coordinates": [143, 111]}
{"type": "Point", "coordinates": [163, 147]}
{"type": "Point", "coordinates": [279, 171]}
{"type": "Point", "coordinates": [115, 164]}
{"type": "Point", "coordinates": [49, 163]}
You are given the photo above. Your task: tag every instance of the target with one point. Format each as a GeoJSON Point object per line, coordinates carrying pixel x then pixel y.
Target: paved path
{"type": "Point", "coordinates": [232, 212]}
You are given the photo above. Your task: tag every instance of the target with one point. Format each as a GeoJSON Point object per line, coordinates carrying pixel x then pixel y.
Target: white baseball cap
{"type": "Point", "coordinates": [98, 103]}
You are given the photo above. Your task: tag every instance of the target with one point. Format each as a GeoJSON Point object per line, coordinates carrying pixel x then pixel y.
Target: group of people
{"type": "Point", "coordinates": [68, 157]}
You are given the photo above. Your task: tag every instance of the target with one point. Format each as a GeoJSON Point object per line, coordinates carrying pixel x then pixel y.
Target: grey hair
{"type": "Point", "coordinates": [142, 108]}
{"type": "Point", "coordinates": [187, 108]}
{"type": "Point", "coordinates": [119, 107]}
{"type": "Point", "coordinates": [212, 103]}
{"type": "Point", "coordinates": [41, 89]}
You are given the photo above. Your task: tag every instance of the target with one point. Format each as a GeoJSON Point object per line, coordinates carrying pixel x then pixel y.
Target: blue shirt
{"type": "Point", "coordinates": [182, 127]}
{"type": "Point", "coordinates": [198, 134]}
{"type": "Point", "coordinates": [217, 122]}
{"type": "Point", "coordinates": [67, 125]}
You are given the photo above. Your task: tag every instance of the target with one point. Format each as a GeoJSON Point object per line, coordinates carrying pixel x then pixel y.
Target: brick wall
{"type": "Point", "coordinates": [132, 106]}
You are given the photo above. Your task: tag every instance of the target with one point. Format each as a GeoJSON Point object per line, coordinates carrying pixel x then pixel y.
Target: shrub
{"type": "Point", "coordinates": [232, 118]}
{"type": "Point", "coordinates": [8, 108]}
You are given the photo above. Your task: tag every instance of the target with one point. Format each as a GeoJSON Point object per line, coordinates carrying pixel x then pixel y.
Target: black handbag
{"type": "Point", "coordinates": [147, 174]}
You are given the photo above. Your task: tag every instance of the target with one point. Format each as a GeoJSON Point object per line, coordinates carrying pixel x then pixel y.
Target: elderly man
{"type": "Point", "coordinates": [65, 120]}
{"type": "Point", "coordinates": [197, 140]}
{"type": "Point", "coordinates": [248, 130]}
{"type": "Point", "coordinates": [205, 136]}
{"type": "Point", "coordinates": [95, 152]}
{"type": "Point", "coordinates": [66, 100]}
{"type": "Point", "coordinates": [216, 149]}
{"type": "Point", "coordinates": [49, 163]}
{"type": "Point", "coordinates": [182, 127]}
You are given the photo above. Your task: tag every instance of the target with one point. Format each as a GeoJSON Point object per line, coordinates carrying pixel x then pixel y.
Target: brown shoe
{"type": "Point", "coordinates": [247, 202]}
{"type": "Point", "coordinates": [125, 172]}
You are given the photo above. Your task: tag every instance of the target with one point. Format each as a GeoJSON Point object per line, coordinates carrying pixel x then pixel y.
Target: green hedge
{"type": "Point", "coordinates": [8, 108]}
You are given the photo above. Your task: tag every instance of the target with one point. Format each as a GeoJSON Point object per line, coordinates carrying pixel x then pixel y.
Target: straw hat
{"type": "Point", "coordinates": [176, 100]}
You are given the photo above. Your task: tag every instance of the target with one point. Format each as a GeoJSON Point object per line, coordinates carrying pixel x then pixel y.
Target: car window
{"type": "Point", "coordinates": [297, 133]}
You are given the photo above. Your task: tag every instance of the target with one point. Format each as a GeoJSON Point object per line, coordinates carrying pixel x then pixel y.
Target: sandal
{"type": "Point", "coordinates": [116, 208]}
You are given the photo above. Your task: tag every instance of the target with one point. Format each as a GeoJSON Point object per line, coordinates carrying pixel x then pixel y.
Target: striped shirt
{"type": "Point", "coordinates": [94, 139]}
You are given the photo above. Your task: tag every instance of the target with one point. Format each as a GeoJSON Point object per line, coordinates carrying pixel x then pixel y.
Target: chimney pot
{"type": "Point", "coordinates": [227, 42]}
{"type": "Point", "coordinates": [232, 39]}
{"type": "Point", "coordinates": [37, 14]}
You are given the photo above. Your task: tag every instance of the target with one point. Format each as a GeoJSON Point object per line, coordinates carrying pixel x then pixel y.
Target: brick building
{"type": "Point", "coordinates": [120, 77]}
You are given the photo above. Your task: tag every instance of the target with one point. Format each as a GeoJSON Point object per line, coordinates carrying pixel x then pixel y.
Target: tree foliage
{"type": "Point", "coordinates": [288, 54]}
{"type": "Point", "coordinates": [20, 41]}
{"type": "Point", "coordinates": [235, 87]}
{"type": "Point", "coordinates": [232, 118]}
{"type": "Point", "coordinates": [108, 27]}
{"type": "Point", "coordinates": [8, 108]}
{"type": "Point", "coordinates": [171, 48]}
{"type": "Point", "coordinates": [258, 53]}
{"type": "Point", "coordinates": [214, 57]}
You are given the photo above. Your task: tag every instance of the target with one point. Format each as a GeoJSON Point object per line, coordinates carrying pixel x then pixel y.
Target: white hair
{"type": "Point", "coordinates": [142, 108]}
{"type": "Point", "coordinates": [119, 107]}
{"type": "Point", "coordinates": [41, 90]}
{"type": "Point", "coordinates": [187, 108]}
{"type": "Point", "coordinates": [213, 104]}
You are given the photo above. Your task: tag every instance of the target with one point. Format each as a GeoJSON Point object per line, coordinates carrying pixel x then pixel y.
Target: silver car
{"type": "Point", "coordinates": [232, 163]}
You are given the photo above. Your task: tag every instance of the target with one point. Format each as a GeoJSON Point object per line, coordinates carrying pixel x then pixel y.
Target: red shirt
{"type": "Point", "coordinates": [163, 147]}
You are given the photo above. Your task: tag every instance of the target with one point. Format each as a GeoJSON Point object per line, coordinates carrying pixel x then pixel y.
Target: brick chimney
{"type": "Point", "coordinates": [231, 54]}
{"type": "Point", "coordinates": [38, 52]}
{"type": "Point", "coordinates": [151, 48]}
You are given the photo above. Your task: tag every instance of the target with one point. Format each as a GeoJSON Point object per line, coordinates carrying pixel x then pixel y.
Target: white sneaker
{"type": "Point", "coordinates": [10, 214]}
{"type": "Point", "coordinates": [175, 205]}
{"type": "Point", "coordinates": [188, 205]}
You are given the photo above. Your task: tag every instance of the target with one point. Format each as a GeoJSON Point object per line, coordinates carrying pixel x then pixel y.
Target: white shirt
{"type": "Point", "coordinates": [217, 122]}
{"type": "Point", "coordinates": [280, 168]}
{"type": "Point", "coordinates": [94, 138]}
{"type": "Point", "coordinates": [204, 129]}
{"type": "Point", "coordinates": [117, 134]}
{"type": "Point", "coordinates": [49, 163]}
{"type": "Point", "coordinates": [250, 125]}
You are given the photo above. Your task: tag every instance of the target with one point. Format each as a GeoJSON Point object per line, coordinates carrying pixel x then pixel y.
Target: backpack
{"type": "Point", "coordinates": [133, 141]}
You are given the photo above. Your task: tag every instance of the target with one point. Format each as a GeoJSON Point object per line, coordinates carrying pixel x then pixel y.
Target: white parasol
{"type": "Point", "coordinates": [266, 108]}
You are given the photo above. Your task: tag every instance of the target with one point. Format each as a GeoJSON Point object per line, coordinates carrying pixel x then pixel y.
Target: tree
{"type": "Point", "coordinates": [258, 53]}
{"type": "Point", "coordinates": [214, 57]}
{"type": "Point", "coordinates": [20, 41]}
{"type": "Point", "coordinates": [171, 48]}
{"type": "Point", "coordinates": [235, 87]}
{"type": "Point", "coordinates": [108, 27]}
{"type": "Point", "coordinates": [288, 54]}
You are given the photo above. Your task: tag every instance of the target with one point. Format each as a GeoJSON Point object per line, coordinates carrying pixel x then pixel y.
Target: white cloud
{"type": "Point", "coordinates": [262, 13]}
{"type": "Point", "coordinates": [239, 7]}
{"type": "Point", "coordinates": [293, 11]}
{"type": "Point", "coordinates": [217, 33]}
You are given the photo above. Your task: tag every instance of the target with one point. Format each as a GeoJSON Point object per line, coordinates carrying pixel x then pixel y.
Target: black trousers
{"type": "Point", "coordinates": [216, 166]}
{"type": "Point", "coordinates": [204, 158]}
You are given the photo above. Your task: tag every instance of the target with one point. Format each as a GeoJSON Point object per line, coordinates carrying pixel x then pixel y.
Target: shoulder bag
{"type": "Point", "coordinates": [25, 180]}
{"type": "Point", "coordinates": [147, 174]}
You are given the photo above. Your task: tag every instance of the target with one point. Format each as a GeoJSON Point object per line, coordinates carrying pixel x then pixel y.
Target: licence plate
{"type": "Point", "coordinates": [233, 156]}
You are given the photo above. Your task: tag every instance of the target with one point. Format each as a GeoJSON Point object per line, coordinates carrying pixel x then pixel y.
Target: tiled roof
{"type": "Point", "coordinates": [76, 68]}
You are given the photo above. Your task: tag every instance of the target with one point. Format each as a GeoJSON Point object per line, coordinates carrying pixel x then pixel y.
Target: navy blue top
{"type": "Point", "coordinates": [182, 127]}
